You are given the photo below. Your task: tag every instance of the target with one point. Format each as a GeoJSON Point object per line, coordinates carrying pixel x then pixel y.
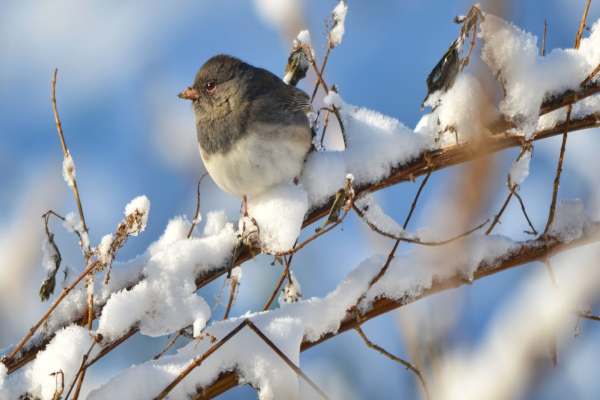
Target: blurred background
{"type": "Point", "coordinates": [121, 65]}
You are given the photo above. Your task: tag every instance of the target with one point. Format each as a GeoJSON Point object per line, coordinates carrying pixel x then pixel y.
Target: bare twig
{"type": "Point", "coordinates": [591, 76]}
{"type": "Point", "coordinates": [285, 273]}
{"type": "Point", "coordinates": [582, 23]}
{"type": "Point", "coordinates": [533, 230]}
{"type": "Point", "coordinates": [232, 295]}
{"type": "Point", "coordinates": [497, 216]}
{"type": "Point", "coordinates": [559, 167]}
{"type": "Point", "coordinates": [563, 146]}
{"type": "Point", "coordinates": [544, 38]}
{"type": "Point", "coordinates": [80, 375]}
{"type": "Point", "coordinates": [321, 72]}
{"type": "Point", "coordinates": [197, 212]}
{"type": "Point", "coordinates": [59, 378]}
{"type": "Point", "coordinates": [414, 240]}
{"type": "Point", "coordinates": [588, 315]}
{"type": "Point", "coordinates": [170, 344]}
{"type": "Point", "coordinates": [408, 365]}
{"type": "Point", "coordinates": [67, 154]}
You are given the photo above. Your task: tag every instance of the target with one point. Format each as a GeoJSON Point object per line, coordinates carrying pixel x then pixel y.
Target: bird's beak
{"type": "Point", "coordinates": [189, 93]}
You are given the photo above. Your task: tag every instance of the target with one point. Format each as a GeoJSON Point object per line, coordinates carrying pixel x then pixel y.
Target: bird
{"type": "Point", "coordinates": [252, 128]}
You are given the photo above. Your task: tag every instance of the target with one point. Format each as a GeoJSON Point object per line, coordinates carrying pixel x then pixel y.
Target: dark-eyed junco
{"type": "Point", "coordinates": [252, 128]}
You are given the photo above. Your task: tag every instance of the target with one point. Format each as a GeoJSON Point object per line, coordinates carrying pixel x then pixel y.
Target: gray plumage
{"type": "Point", "coordinates": [251, 126]}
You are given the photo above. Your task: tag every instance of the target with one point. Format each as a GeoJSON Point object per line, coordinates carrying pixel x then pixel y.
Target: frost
{"type": "Point", "coordinates": [519, 171]}
{"type": "Point", "coordinates": [279, 213]}
{"type": "Point", "coordinates": [569, 221]}
{"type": "Point", "coordinates": [138, 206]}
{"type": "Point", "coordinates": [339, 17]}
{"type": "Point", "coordinates": [69, 169]}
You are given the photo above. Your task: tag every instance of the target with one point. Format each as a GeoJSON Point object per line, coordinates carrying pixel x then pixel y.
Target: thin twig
{"type": "Point", "coordinates": [321, 72]}
{"type": "Point", "coordinates": [80, 375]}
{"type": "Point", "coordinates": [418, 241]}
{"type": "Point", "coordinates": [416, 199]}
{"type": "Point", "coordinates": [59, 382]}
{"type": "Point", "coordinates": [563, 146]}
{"type": "Point", "coordinates": [170, 344]}
{"type": "Point", "coordinates": [286, 359]}
{"type": "Point", "coordinates": [533, 230]}
{"type": "Point", "coordinates": [93, 265]}
{"type": "Point", "coordinates": [543, 48]}
{"type": "Point", "coordinates": [408, 365]}
{"type": "Point", "coordinates": [497, 216]}
{"type": "Point", "coordinates": [582, 23]}
{"type": "Point", "coordinates": [232, 295]}
{"type": "Point", "coordinates": [285, 273]}
{"type": "Point", "coordinates": [198, 360]}
{"type": "Point", "coordinates": [197, 212]}
{"type": "Point", "coordinates": [588, 315]}
{"type": "Point", "coordinates": [391, 254]}
{"type": "Point", "coordinates": [559, 167]}
{"type": "Point", "coordinates": [591, 76]}
{"type": "Point", "coordinates": [66, 154]}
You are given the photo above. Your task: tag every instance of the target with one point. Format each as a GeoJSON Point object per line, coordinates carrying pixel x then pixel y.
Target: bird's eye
{"type": "Point", "coordinates": [210, 86]}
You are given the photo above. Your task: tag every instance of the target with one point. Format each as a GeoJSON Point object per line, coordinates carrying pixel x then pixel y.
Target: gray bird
{"type": "Point", "coordinates": [252, 128]}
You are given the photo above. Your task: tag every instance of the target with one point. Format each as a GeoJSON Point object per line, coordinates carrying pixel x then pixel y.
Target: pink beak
{"type": "Point", "coordinates": [189, 93]}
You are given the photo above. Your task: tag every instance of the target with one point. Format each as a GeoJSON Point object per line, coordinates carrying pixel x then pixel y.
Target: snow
{"type": "Point", "coordinates": [527, 77]}
{"type": "Point", "coordinates": [333, 99]}
{"type": "Point", "coordinates": [140, 205]}
{"type": "Point", "coordinates": [569, 220]}
{"type": "Point", "coordinates": [519, 171]}
{"type": "Point", "coordinates": [292, 292]}
{"type": "Point", "coordinates": [464, 111]}
{"type": "Point", "coordinates": [339, 17]}
{"type": "Point", "coordinates": [308, 319]}
{"type": "Point", "coordinates": [279, 213]}
{"type": "Point", "coordinates": [72, 223]}
{"type": "Point", "coordinates": [103, 249]}
{"type": "Point", "coordinates": [64, 353]}
{"type": "Point", "coordinates": [303, 38]}
{"type": "Point", "coordinates": [69, 169]}
{"type": "Point", "coordinates": [169, 285]}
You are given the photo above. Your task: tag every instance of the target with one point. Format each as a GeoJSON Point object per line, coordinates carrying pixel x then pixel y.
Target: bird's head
{"type": "Point", "coordinates": [218, 87]}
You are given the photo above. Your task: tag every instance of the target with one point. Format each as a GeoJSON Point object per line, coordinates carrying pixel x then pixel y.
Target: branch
{"type": "Point", "coordinates": [524, 253]}
{"type": "Point", "coordinates": [429, 161]}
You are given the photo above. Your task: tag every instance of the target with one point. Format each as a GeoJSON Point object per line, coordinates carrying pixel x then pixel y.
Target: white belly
{"type": "Point", "coordinates": [256, 163]}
